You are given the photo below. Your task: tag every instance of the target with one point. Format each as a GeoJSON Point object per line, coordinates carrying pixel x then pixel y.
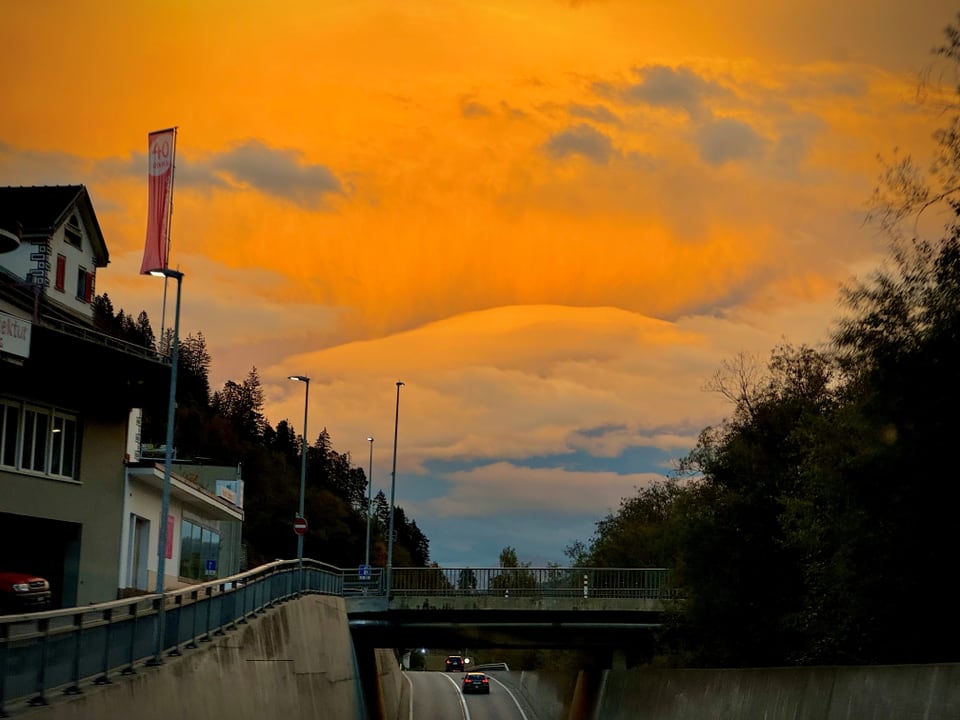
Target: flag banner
{"type": "Point", "coordinates": [160, 170]}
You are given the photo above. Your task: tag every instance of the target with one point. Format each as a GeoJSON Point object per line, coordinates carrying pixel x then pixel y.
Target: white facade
{"type": "Point", "coordinates": [189, 503]}
{"type": "Point", "coordinates": [65, 270]}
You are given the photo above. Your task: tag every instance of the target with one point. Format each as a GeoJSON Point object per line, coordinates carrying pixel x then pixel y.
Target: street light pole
{"type": "Point", "coordinates": [366, 555]}
{"type": "Point", "coordinates": [393, 490]}
{"type": "Point", "coordinates": [167, 468]}
{"type": "Point", "coordinates": [303, 464]}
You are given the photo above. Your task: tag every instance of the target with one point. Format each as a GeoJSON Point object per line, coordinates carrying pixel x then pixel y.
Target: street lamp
{"type": "Point", "coordinates": [167, 464]}
{"type": "Point", "coordinates": [393, 489]}
{"type": "Point", "coordinates": [366, 555]}
{"type": "Point", "coordinates": [303, 463]}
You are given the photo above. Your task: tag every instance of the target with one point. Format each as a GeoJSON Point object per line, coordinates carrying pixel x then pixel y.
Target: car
{"type": "Point", "coordinates": [454, 663]}
{"type": "Point", "coordinates": [23, 592]}
{"type": "Point", "coordinates": [476, 682]}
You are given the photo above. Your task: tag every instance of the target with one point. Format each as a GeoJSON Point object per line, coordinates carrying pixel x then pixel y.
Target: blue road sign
{"type": "Point", "coordinates": [364, 572]}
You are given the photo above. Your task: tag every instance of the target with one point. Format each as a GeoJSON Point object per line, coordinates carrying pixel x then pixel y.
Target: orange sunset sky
{"type": "Point", "coordinates": [552, 220]}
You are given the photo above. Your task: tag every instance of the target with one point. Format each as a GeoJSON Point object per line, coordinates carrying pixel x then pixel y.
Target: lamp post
{"type": "Point", "coordinates": [167, 466]}
{"type": "Point", "coordinates": [366, 555]}
{"type": "Point", "coordinates": [303, 465]}
{"type": "Point", "coordinates": [393, 489]}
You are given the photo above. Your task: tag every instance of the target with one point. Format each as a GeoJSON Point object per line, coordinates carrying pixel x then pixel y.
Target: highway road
{"type": "Point", "coordinates": [438, 696]}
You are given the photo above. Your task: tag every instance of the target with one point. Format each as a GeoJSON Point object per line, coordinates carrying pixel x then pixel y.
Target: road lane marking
{"type": "Point", "coordinates": [512, 696]}
{"type": "Point", "coordinates": [463, 700]}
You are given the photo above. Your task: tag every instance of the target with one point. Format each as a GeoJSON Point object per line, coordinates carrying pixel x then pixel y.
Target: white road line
{"type": "Point", "coordinates": [512, 696]}
{"type": "Point", "coordinates": [463, 700]}
{"type": "Point", "coordinates": [410, 708]}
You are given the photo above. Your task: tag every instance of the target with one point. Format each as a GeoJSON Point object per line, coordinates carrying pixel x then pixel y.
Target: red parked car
{"type": "Point", "coordinates": [23, 592]}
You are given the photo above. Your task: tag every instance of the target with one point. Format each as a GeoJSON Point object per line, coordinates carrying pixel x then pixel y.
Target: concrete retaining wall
{"type": "Point", "coordinates": [896, 692]}
{"type": "Point", "coordinates": [294, 662]}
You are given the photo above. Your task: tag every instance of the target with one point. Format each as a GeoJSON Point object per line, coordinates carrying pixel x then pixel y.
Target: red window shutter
{"type": "Point", "coordinates": [88, 289]}
{"type": "Point", "coordinates": [61, 271]}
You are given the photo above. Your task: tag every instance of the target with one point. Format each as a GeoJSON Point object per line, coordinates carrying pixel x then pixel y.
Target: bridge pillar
{"type": "Point", "coordinates": [618, 659]}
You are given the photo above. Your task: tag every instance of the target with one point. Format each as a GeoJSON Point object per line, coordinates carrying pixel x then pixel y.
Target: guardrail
{"type": "Point", "coordinates": [61, 648]}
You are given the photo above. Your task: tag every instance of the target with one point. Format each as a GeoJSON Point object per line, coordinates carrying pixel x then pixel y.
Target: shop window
{"type": "Point", "coordinates": [198, 547]}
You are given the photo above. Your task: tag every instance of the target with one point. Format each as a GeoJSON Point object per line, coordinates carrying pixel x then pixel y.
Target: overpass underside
{"type": "Point", "coordinates": [404, 628]}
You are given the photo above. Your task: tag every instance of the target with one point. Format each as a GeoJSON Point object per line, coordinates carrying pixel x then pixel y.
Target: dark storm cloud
{"type": "Point", "coordinates": [280, 173]}
{"type": "Point", "coordinates": [663, 86]}
{"type": "Point", "coordinates": [470, 108]}
{"type": "Point", "coordinates": [597, 113]}
{"type": "Point", "coordinates": [728, 139]}
{"type": "Point", "coordinates": [581, 140]}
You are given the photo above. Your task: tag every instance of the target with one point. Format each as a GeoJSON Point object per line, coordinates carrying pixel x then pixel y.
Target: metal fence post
{"type": "Point", "coordinates": [77, 644]}
{"type": "Point", "coordinates": [104, 679]}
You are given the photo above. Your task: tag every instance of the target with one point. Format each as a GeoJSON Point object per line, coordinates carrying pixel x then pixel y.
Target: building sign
{"type": "Point", "coordinates": [231, 491]}
{"type": "Point", "coordinates": [14, 335]}
{"type": "Point", "coordinates": [171, 526]}
{"type": "Point", "coordinates": [133, 434]}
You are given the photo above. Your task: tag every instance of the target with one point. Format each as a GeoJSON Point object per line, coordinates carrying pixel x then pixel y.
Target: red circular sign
{"type": "Point", "coordinates": [300, 526]}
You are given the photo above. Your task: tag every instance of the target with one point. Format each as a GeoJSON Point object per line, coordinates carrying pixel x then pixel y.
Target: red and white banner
{"type": "Point", "coordinates": [160, 169]}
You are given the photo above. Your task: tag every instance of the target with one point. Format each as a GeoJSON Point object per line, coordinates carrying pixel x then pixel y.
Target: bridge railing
{"type": "Point", "coordinates": [640, 583]}
{"type": "Point", "coordinates": [60, 648]}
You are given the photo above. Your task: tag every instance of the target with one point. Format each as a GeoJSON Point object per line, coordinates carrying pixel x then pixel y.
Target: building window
{"type": "Point", "coordinates": [61, 272]}
{"type": "Point", "coordinates": [199, 550]}
{"type": "Point", "coordinates": [84, 285]}
{"type": "Point", "coordinates": [10, 420]}
{"type": "Point", "coordinates": [38, 440]}
{"type": "Point", "coordinates": [71, 233]}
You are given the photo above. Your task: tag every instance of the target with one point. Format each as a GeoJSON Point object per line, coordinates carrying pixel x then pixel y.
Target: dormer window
{"type": "Point", "coordinates": [72, 234]}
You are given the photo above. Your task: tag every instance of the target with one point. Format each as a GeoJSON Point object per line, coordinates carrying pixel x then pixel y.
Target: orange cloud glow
{"type": "Point", "coordinates": [551, 219]}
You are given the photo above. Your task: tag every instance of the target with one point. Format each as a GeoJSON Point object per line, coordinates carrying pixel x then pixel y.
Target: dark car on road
{"type": "Point", "coordinates": [476, 682]}
{"type": "Point", "coordinates": [454, 663]}
{"type": "Point", "coordinates": [23, 592]}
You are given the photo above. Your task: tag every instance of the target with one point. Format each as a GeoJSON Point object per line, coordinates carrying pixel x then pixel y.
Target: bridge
{"type": "Point", "coordinates": [508, 607]}
{"type": "Point", "coordinates": [64, 650]}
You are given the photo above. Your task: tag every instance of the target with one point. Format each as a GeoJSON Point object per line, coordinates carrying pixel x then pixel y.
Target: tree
{"type": "Point", "coordinates": [242, 405]}
{"type": "Point", "coordinates": [514, 574]}
{"type": "Point", "coordinates": [193, 380]}
{"type": "Point", "coordinates": [467, 579]}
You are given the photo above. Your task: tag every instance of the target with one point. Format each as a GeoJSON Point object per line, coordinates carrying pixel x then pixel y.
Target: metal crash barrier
{"type": "Point", "coordinates": [63, 648]}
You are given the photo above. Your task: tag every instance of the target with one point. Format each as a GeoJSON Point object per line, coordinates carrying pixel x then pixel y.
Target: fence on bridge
{"type": "Point", "coordinates": [640, 583]}
{"type": "Point", "coordinates": [62, 648]}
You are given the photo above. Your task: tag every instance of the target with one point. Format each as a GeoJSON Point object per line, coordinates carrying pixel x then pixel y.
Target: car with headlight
{"type": "Point", "coordinates": [476, 682]}
{"type": "Point", "coordinates": [23, 592]}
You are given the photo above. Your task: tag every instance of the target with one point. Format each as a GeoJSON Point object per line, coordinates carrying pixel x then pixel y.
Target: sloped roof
{"type": "Point", "coordinates": [40, 209]}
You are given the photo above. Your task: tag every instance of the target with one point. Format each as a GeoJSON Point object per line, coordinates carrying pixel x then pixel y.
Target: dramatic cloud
{"type": "Point", "coordinates": [581, 140]}
{"type": "Point", "coordinates": [470, 108]}
{"type": "Point", "coordinates": [552, 224]}
{"type": "Point", "coordinates": [728, 139]}
{"type": "Point", "coordinates": [597, 113]}
{"type": "Point", "coordinates": [668, 87]}
{"type": "Point", "coordinates": [280, 173]}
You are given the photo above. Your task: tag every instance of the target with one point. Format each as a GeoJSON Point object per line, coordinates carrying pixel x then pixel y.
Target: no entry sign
{"type": "Point", "coordinates": [300, 526]}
